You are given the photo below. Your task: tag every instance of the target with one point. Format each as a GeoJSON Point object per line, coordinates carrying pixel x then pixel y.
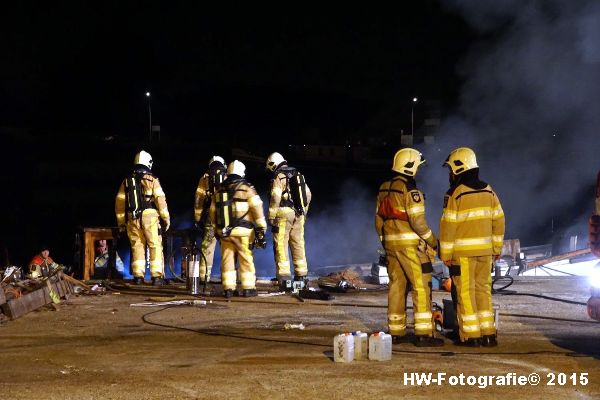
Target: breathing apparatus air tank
{"type": "Point", "coordinates": [193, 271]}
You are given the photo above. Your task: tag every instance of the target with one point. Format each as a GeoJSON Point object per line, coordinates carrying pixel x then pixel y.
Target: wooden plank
{"type": "Point", "coordinates": [571, 254]}
{"type": "Point", "coordinates": [88, 256]}
{"type": "Point", "coordinates": [16, 308]}
{"type": "Point", "coordinates": [90, 236]}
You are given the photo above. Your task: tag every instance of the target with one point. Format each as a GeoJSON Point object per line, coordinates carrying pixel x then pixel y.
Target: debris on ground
{"type": "Point", "coordinates": [21, 294]}
{"type": "Point", "coordinates": [289, 326]}
{"type": "Point", "coordinates": [171, 303]}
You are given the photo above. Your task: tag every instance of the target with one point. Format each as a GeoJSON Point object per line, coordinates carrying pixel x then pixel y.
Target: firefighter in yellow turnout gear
{"type": "Point", "coordinates": [240, 224]}
{"type": "Point", "coordinates": [139, 204]}
{"type": "Point", "coordinates": [403, 230]}
{"type": "Point", "coordinates": [207, 186]}
{"type": "Point", "coordinates": [471, 236]}
{"type": "Point", "coordinates": [288, 205]}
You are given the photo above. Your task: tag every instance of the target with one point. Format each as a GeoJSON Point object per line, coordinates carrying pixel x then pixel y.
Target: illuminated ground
{"type": "Point", "coordinates": [98, 347]}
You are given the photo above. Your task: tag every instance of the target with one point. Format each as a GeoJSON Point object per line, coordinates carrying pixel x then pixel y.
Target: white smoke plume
{"type": "Point", "coordinates": [529, 108]}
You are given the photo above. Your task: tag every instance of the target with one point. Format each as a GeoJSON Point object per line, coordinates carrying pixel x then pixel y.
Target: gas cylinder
{"type": "Point", "coordinates": [193, 271]}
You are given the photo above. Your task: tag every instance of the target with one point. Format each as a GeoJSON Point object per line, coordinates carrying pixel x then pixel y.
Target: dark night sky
{"type": "Point", "coordinates": [73, 72]}
{"type": "Point", "coordinates": [86, 67]}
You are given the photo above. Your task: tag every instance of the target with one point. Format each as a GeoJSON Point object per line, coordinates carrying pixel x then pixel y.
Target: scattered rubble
{"type": "Point", "coordinates": [21, 294]}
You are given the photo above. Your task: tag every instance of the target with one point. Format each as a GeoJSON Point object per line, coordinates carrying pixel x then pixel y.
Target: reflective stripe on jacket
{"type": "Point", "coordinates": [247, 206]}
{"type": "Point", "coordinates": [152, 192]}
{"type": "Point", "coordinates": [472, 223]}
{"type": "Point", "coordinates": [202, 191]}
{"type": "Point", "coordinates": [402, 232]}
{"type": "Point", "coordinates": [278, 187]}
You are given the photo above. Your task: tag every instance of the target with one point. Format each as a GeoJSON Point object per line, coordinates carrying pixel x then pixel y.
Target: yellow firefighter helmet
{"type": "Point", "coordinates": [143, 158]}
{"type": "Point", "coordinates": [461, 160]}
{"type": "Point", "coordinates": [218, 159]}
{"type": "Point", "coordinates": [274, 161]}
{"type": "Point", "coordinates": [407, 161]}
{"type": "Point", "coordinates": [236, 168]}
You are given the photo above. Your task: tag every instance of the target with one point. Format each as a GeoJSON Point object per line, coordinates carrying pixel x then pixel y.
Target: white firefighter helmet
{"type": "Point", "coordinates": [274, 161]}
{"type": "Point", "coordinates": [461, 160]}
{"type": "Point", "coordinates": [236, 168]}
{"type": "Point", "coordinates": [218, 159]}
{"type": "Point", "coordinates": [407, 161]}
{"type": "Point", "coordinates": [143, 158]}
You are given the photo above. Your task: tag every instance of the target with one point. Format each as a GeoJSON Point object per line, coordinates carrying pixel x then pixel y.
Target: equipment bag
{"type": "Point", "coordinates": [296, 189]}
{"type": "Point", "coordinates": [134, 196]}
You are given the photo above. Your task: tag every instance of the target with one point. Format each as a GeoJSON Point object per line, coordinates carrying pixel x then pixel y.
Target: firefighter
{"type": "Point", "coordinates": [209, 182]}
{"type": "Point", "coordinates": [139, 204]}
{"type": "Point", "coordinates": [288, 205]}
{"type": "Point", "coordinates": [471, 236]}
{"type": "Point", "coordinates": [240, 225]}
{"type": "Point", "coordinates": [41, 264]}
{"type": "Point", "coordinates": [403, 230]}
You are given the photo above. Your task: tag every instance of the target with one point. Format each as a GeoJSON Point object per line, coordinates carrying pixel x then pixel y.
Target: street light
{"type": "Point", "coordinates": [149, 117]}
{"type": "Point", "coordinates": [412, 117]}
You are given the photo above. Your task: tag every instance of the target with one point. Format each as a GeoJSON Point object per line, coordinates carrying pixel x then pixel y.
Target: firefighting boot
{"type": "Point", "coordinates": [249, 293]}
{"type": "Point", "coordinates": [489, 341]}
{"type": "Point", "coordinates": [428, 341]}
{"type": "Point", "coordinates": [138, 280]}
{"type": "Point", "coordinates": [158, 281]}
{"type": "Point", "coordinates": [408, 338]}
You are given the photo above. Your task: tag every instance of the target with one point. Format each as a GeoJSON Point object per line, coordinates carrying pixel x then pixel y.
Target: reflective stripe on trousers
{"type": "Point", "coordinates": [209, 242]}
{"type": "Point", "coordinates": [143, 232]}
{"type": "Point", "coordinates": [230, 247]}
{"type": "Point", "coordinates": [404, 266]}
{"type": "Point", "coordinates": [290, 233]}
{"type": "Point", "coordinates": [474, 296]}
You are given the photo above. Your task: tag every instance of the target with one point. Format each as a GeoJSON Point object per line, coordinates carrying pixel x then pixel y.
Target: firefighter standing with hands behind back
{"type": "Point", "coordinates": [471, 235]}
{"type": "Point", "coordinates": [240, 224]}
{"type": "Point", "coordinates": [288, 205]}
{"type": "Point", "coordinates": [139, 204]}
{"type": "Point", "coordinates": [404, 233]}
{"type": "Point", "coordinates": [207, 187]}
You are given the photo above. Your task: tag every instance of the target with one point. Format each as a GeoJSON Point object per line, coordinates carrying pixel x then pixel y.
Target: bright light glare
{"type": "Point", "coordinates": [147, 94]}
{"type": "Point", "coordinates": [414, 99]}
{"type": "Point", "coordinates": [594, 277]}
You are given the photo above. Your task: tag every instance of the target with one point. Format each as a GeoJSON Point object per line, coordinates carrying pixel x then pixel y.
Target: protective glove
{"type": "Point", "coordinates": [259, 238]}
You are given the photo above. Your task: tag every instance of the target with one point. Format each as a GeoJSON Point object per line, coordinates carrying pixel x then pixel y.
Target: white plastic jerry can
{"type": "Point", "coordinates": [380, 346]}
{"type": "Point", "coordinates": [361, 345]}
{"type": "Point", "coordinates": [343, 348]}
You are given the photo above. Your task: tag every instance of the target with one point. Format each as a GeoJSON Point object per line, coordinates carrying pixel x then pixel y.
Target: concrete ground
{"type": "Point", "coordinates": [100, 347]}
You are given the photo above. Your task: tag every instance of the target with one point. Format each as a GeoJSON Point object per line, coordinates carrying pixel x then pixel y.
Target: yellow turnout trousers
{"type": "Point", "coordinates": [289, 230]}
{"type": "Point", "coordinates": [404, 267]}
{"type": "Point", "coordinates": [230, 247]}
{"type": "Point", "coordinates": [209, 242]}
{"type": "Point", "coordinates": [473, 281]}
{"type": "Point", "coordinates": [143, 232]}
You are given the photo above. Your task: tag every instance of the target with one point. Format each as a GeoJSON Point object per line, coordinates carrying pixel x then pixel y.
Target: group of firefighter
{"type": "Point", "coordinates": [228, 208]}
